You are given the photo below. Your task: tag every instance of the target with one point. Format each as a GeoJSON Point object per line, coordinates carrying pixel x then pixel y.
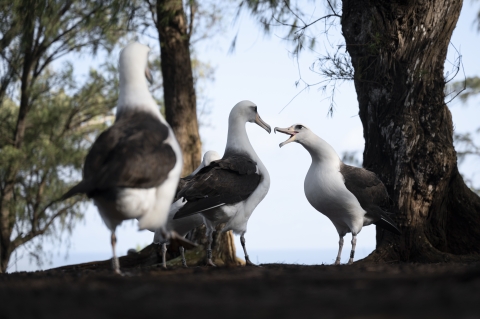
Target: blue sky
{"type": "Point", "coordinates": [284, 227]}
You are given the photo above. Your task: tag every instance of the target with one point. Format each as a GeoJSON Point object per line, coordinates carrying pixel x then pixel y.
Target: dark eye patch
{"type": "Point", "coordinates": [298, 127]}
{"type": "Point", "coordinates": [254, 108]}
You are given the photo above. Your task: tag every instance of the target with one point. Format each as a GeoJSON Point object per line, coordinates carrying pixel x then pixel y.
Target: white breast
{"type": "Point", "coordinates": [326, 192]}
{"type": "Point", "coordinates": [150, 206]}
{"type": "Point", "coordinates": [130, 203]}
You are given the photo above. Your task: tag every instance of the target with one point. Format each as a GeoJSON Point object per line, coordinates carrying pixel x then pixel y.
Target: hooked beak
{"type": "Point", "coordinates": [287, 131]}
{"type": "Point", "coordinates": [148, 75]}
{"type": "Point", "coordinates": [262, 124]}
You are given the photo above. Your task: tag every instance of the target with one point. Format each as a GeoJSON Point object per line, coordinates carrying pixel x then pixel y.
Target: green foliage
{"type": "Point", "coordinates": [49, 119]}
{"type": "Point", "coordinates": [61, 127]}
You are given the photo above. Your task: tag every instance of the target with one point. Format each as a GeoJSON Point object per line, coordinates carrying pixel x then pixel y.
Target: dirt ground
{"type": "Point", "coordinates": [272, 291]}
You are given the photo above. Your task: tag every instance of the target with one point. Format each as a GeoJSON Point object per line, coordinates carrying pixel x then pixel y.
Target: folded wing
{"type": "Point", "coordinates": [224, 182]}
{"type": "Point", "coordinates": [370, 193]}
{"type": "Point", "coordinates": [132, 153]}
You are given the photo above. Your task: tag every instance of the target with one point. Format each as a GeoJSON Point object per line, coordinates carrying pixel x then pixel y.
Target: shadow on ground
{"type": "Point", "coordinates": [272, 291]}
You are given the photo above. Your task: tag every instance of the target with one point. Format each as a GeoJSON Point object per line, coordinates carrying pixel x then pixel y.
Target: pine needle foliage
{"type": "Point", "coordinates": [48, 118]}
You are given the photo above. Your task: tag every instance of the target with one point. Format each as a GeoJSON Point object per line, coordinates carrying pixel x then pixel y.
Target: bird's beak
{"type": "Point", "coordinates": [262, 124]}
{"type": "Point", "coordinates": [148, 75]}
{"type": "Point", "coordinates": [288, 131]}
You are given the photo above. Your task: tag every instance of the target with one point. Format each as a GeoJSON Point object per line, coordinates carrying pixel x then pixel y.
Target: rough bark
{"type": "Point", "coordinates": [178, 88]}
{"type": "Point", "coordinates": [398, 50]}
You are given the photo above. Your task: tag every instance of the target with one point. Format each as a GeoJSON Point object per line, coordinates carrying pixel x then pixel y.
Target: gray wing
{"type": "Point", "coordinates": [371, 193]}
{"type": "Point", "coordinates": [365, 185]}
{"type": "Point", "coordinates": [226, 181]}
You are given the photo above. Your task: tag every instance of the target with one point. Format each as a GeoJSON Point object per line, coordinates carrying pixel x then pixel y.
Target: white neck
{"type": "Point", "coordinates": [238, 141]}
{"type": "Point", "coordinates": [134, 94]}
{"type": "Point", "coordinates": [321, 151]}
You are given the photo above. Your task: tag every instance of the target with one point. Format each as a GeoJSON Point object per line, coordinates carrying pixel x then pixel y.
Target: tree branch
{"type": "Point", "coordinates": [192, 16]}
{"type": "Point", "coordinates": [20, 240]}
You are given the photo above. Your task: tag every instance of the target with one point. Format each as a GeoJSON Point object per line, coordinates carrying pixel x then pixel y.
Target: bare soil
{"type": "Point", "coordinates": [272, 291]}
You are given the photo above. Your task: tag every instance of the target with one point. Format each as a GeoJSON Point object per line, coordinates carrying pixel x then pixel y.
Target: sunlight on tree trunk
{"type": "Point", "coordinates": [179, 92]}
{"type": "Point", "coordinates": [180, 99]}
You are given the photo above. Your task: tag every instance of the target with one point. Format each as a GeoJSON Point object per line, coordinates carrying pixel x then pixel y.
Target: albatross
{"type": "Point", "coordinates": [184, 225]}
{"type": "Point", "coordinates": [351, 197]}
{"type": "Point", "coordinates": [228, 190]}
{"type": "Point", "coordinates": [133, 168]}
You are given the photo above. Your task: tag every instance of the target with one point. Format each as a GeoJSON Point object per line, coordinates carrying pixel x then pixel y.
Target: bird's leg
{"type": "Point", "coordinates": [164, 255]}
{"type": "Point", "coordinates": [182, 253]}
{"type": "Point", "coordinates": [340, 246]}
{"type": "Point", "coordinates": [352, 253]}
{"type": "Point", "coordinates": [247, 259]}
{"type": "Point", "coordinates": [209, 248]}
{"type": "Point", "coordinates": [115, 262]}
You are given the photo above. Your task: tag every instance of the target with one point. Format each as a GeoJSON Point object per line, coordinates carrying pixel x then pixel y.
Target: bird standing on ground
{"type": "Point", "coordinates": [184, 225]}
{"type": "Point", "coordinates": [351, 197]}
{"type": "Point", "coordinates": [133, 168]}
{"type": "Point", "coordinates": [228, 190]}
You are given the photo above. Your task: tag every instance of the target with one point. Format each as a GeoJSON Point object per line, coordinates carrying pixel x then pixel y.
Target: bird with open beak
{"type": "Point", "coordinates": [351, 197]}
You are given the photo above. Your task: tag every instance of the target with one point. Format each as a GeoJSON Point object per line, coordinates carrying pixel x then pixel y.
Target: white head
{"type": "Point", "coordinates": [316, 146]}
{"type": "Point", "coordinates": [246, 111]}
{"type": "Point", "coordinates": [298, 133]}
{"type": "Point", "coordinates": [133, 64]}
{"type": "Point", "coordinates": [209, 157]}
{"type": "Point", "coordinates": [134, 73]}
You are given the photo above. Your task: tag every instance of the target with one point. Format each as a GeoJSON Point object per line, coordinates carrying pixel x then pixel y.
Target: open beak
{"type": "Point", "coordinates": [148, 75]}
{"type": "Point", "coordinates": [262, 124]}
{"type": "Point", "coordinates": [287, 131]}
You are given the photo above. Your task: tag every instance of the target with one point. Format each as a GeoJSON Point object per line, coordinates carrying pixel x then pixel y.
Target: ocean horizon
{"type": "Point", "coordinates": [264, 256]}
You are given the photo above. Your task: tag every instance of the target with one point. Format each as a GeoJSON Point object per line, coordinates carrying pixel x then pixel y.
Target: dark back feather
{"type": "Point", "coordinates": [365, 185]}
{"type": "Point", "coordinates": [131, 153]}
{"type": "Point", "coordinates": [226, 181]}
{"type": "Point", "coordinates": [370, 193]}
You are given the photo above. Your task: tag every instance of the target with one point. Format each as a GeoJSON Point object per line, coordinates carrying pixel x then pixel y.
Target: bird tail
{"type": "Point", "coordinates": [387, 223]}
{"type": "Point", "coordinates": [80, 188]}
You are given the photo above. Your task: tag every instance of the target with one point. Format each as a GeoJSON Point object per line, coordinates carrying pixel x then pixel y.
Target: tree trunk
{"type": "Point", "coordinates": [398, 50]}
{"type": "Point", "coordinates": [179, 92]}
{"type": "Point", "coordinates": [181, 108]}
{"type": "Point", "coordinates": [4, 236]}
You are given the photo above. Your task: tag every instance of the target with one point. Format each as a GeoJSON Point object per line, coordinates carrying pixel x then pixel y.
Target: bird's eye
{"type": "Point", "coordinates": [255, 109]}
{"type": "Point", "coordinates": [298, 127]}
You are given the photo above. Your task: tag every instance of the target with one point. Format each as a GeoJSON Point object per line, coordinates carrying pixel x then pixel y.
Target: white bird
{"type": "Point", "coordinates": [351, 197]}
{"type": "Point", "coordinates": [133, 168]}
{"type": "Point", "coordinates": [184, 225]}
{"type": "Point", "coordinates": [228, 190]}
